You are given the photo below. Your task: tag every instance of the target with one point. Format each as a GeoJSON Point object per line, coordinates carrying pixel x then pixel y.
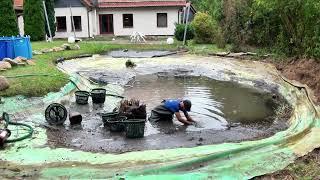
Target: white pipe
{"type": "Point", "coordinates": [47, 19]}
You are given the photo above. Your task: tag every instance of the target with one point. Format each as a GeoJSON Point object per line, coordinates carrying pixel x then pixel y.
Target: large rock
{"type": "Point", "coordinates": [12, 62]}
{"type": "Point", "coordinates": [66, 46]}
{"type": "Point", "coordinates": [47, 50]}
{"type": "Point", "coordinates": [5, 65]}
{"type": "Point", "coordinates": [30, 62]}
{"type": "Point", "coordinates": [4, 84]}
{"type": "Point", "coordinates": [35, 52]}
{"type": "Point", "coordinates": [57, 49]}
{"type": "Point", "coordinates": [20, 59]}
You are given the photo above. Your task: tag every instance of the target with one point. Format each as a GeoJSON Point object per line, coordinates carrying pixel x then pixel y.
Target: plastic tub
{"type": "Point", "coordinates": [135, 128]}
{"type": "Point", "coordinates": [117, 124]}
{"type": "Point", "coordinates": [107, 117]}
{"type": "Point", "coordinates": [98, 95]}
{"type": "Point", "coordinates": [82, 97]}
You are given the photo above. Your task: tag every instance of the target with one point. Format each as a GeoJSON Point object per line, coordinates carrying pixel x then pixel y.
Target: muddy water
{"type": "Point", "coordinates": [225, 112]}
{"type": "Point", "coordinates": [216, 105]}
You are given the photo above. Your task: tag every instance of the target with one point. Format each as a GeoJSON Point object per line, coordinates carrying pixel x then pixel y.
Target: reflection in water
{"type": "Point", "coordinates": [215, 104]}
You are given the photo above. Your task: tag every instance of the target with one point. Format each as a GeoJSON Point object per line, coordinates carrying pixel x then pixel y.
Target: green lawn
{"type": "Point", "coordinates": [41, 85]}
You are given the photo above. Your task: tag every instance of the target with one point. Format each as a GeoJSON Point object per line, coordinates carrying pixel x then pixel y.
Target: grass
{"type": "Point", "coordinates": [41, 85]}
{"type": "Point", "coordinates": [205, 49]}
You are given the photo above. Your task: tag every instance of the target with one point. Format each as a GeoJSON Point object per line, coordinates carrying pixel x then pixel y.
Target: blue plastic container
{"type": "Point", "coordinates": [12, 47]}
{"type": "Point", "coordinates": [3, 49]}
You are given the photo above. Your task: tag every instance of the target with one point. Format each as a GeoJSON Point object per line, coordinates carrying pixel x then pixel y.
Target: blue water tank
{"type": "Point", "coordinates": [12, 47]}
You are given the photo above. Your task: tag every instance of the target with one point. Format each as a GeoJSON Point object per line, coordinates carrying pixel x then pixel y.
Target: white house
{"type": "Point", "coordinates": [118, 17]}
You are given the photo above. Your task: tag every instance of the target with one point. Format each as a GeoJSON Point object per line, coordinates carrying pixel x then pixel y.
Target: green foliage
{"type": "Point", "coordinates": [211, 7]}
{"type": "Point", "coordinates": [34, 21]}
{"type": "Point", "coordinates": [204, 27]}
{"type": "Point", "coordinates": [179, 32]}
{"type": "Point", "coordinates": [8, 20]}
{"type": "Point", "coordinates": [51, 17]}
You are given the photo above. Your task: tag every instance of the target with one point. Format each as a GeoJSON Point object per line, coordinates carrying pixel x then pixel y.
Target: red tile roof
{"type": "Point", "coordinates": [140, 3]}
{"type": "Point", "coordinates": [88, 3]}
{"type": "Point", "coordinates": [18, 4]}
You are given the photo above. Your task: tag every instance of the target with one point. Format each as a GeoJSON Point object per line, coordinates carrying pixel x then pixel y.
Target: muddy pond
{"type": "Point", "coordinates": [224, 111]}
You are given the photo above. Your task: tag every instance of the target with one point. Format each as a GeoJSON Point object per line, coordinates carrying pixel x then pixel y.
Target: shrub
{"type": "Point", "coordinates": [179, 32]}
{"type": "Point", "coordinates": [204, 28]}
{"type": "Point", "coordinates": [8, 20]}
{"type": "Point", "coordinates": [34, 21]}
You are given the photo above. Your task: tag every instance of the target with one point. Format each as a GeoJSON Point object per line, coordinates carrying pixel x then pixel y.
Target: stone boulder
{"type": "Point", "coordinates": [35, 52]}
{"type": "Point", "coordinates": [5, 65]}
{"type": "Point", "coordinates": [66, 46]}
{"type": "Point", "coordinates": [20, 59]}
{"type": "Point", "coordinates": [57, 49]}
{"type": "Point", "coordinates": [4, 84]}
{"type": "Point", "coordinates": [31, 63]}
{"type": "Point", "coordinates": [12, 62]}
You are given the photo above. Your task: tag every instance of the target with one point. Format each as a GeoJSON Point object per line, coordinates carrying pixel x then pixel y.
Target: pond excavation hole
{"type": "Point", "coordinates": [224, 111]}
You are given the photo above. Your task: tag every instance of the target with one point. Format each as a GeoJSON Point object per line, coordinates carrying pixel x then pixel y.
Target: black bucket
{"type": "Point", "coordinates": [82, 97]}
{"type": "Point", "coordinates": [106, 117]}
{"type": "Point", "coordinates": [117, 124]}
{"type": "Point", "coordinates": [135, 128]}
{"type": "Point", "coordinates": [98, 95]}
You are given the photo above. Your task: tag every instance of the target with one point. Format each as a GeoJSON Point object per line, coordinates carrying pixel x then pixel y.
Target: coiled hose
{"type": "Point", "coordinates": [6, 118]}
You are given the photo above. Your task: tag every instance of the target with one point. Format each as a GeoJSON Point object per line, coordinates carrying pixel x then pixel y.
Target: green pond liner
{"type": "Point", "coordinates": [33, 157]}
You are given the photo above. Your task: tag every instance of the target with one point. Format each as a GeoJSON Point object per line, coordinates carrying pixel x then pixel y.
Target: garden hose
{"type": "Point", "coordinates": [8, 122]}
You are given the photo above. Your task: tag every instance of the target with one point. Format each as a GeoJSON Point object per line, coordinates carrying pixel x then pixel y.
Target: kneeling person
{"type": "Point", "coordinates": [170, 107]}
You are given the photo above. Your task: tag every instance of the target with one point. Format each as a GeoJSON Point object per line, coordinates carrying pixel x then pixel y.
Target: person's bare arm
{"type": "Point", "coordinates": [189, 118]}
{"type": "Point", "coordinates": [184, 121]}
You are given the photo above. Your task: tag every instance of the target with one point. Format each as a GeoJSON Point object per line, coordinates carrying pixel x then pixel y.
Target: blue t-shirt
{"type": "Point", "coordinates": [172, 104]}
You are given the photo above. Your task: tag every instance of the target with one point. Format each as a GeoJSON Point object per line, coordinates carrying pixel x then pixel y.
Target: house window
{"type": "Point", "coordinates": [162, 20]}
{"type": "Point", "coordinates": [77, 23]}
{"type": "Point", "coordinates": [127, 20]}
{"type": "Point", "coordinates": [61, 24]}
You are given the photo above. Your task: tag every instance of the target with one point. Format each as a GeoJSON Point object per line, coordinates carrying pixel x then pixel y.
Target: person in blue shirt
{"type": "Point", "coordinates": [170, 107]}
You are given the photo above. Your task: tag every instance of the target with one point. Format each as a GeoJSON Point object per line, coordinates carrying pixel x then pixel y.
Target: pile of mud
{"type": "Point", "coordinates": [306, 71]}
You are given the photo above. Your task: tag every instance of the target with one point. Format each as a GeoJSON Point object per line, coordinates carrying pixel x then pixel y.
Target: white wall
{"type": "Point", "coordinates": [76, 11]}
{"type": "Point", "coordinates": [21, 25]}
{"type": "Point", "coordinates": [144, 20]}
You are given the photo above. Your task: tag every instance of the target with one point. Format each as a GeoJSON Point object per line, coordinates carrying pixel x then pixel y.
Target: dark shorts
{"type": "Point", "coordinates": [160, 113]}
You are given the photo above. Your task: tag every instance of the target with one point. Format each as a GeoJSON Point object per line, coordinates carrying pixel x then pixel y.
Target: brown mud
{"type": "Point", "coordinates": [306, 71]}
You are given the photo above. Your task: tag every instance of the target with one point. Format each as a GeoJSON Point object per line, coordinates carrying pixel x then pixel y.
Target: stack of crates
{"type": "Point", "coordinates": [12, 47]}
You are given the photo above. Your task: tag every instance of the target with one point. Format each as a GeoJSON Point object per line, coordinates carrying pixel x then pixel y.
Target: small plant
{"type": "Point", "coordinates": [130, 64]}
{"type": "Point", "coordinates": [179, 32]}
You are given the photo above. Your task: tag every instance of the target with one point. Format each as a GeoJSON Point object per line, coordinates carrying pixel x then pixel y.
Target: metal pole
{"type": "Point", "coordinates": [186, 26]}
{"type": "Point", "coordinates": [47, 19]}
{"type": "Point", "coordinates": [184, 15]}
{"type": "Point", "coordinates": [72, 23]}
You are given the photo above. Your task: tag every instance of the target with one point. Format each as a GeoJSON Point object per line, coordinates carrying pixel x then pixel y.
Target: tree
{"type": "Point", "coordinates": [51, 17]}
{"type": "Point", "coordinates": [34, 21]}
{"type": "Point", "coordinates": [8, 20]}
